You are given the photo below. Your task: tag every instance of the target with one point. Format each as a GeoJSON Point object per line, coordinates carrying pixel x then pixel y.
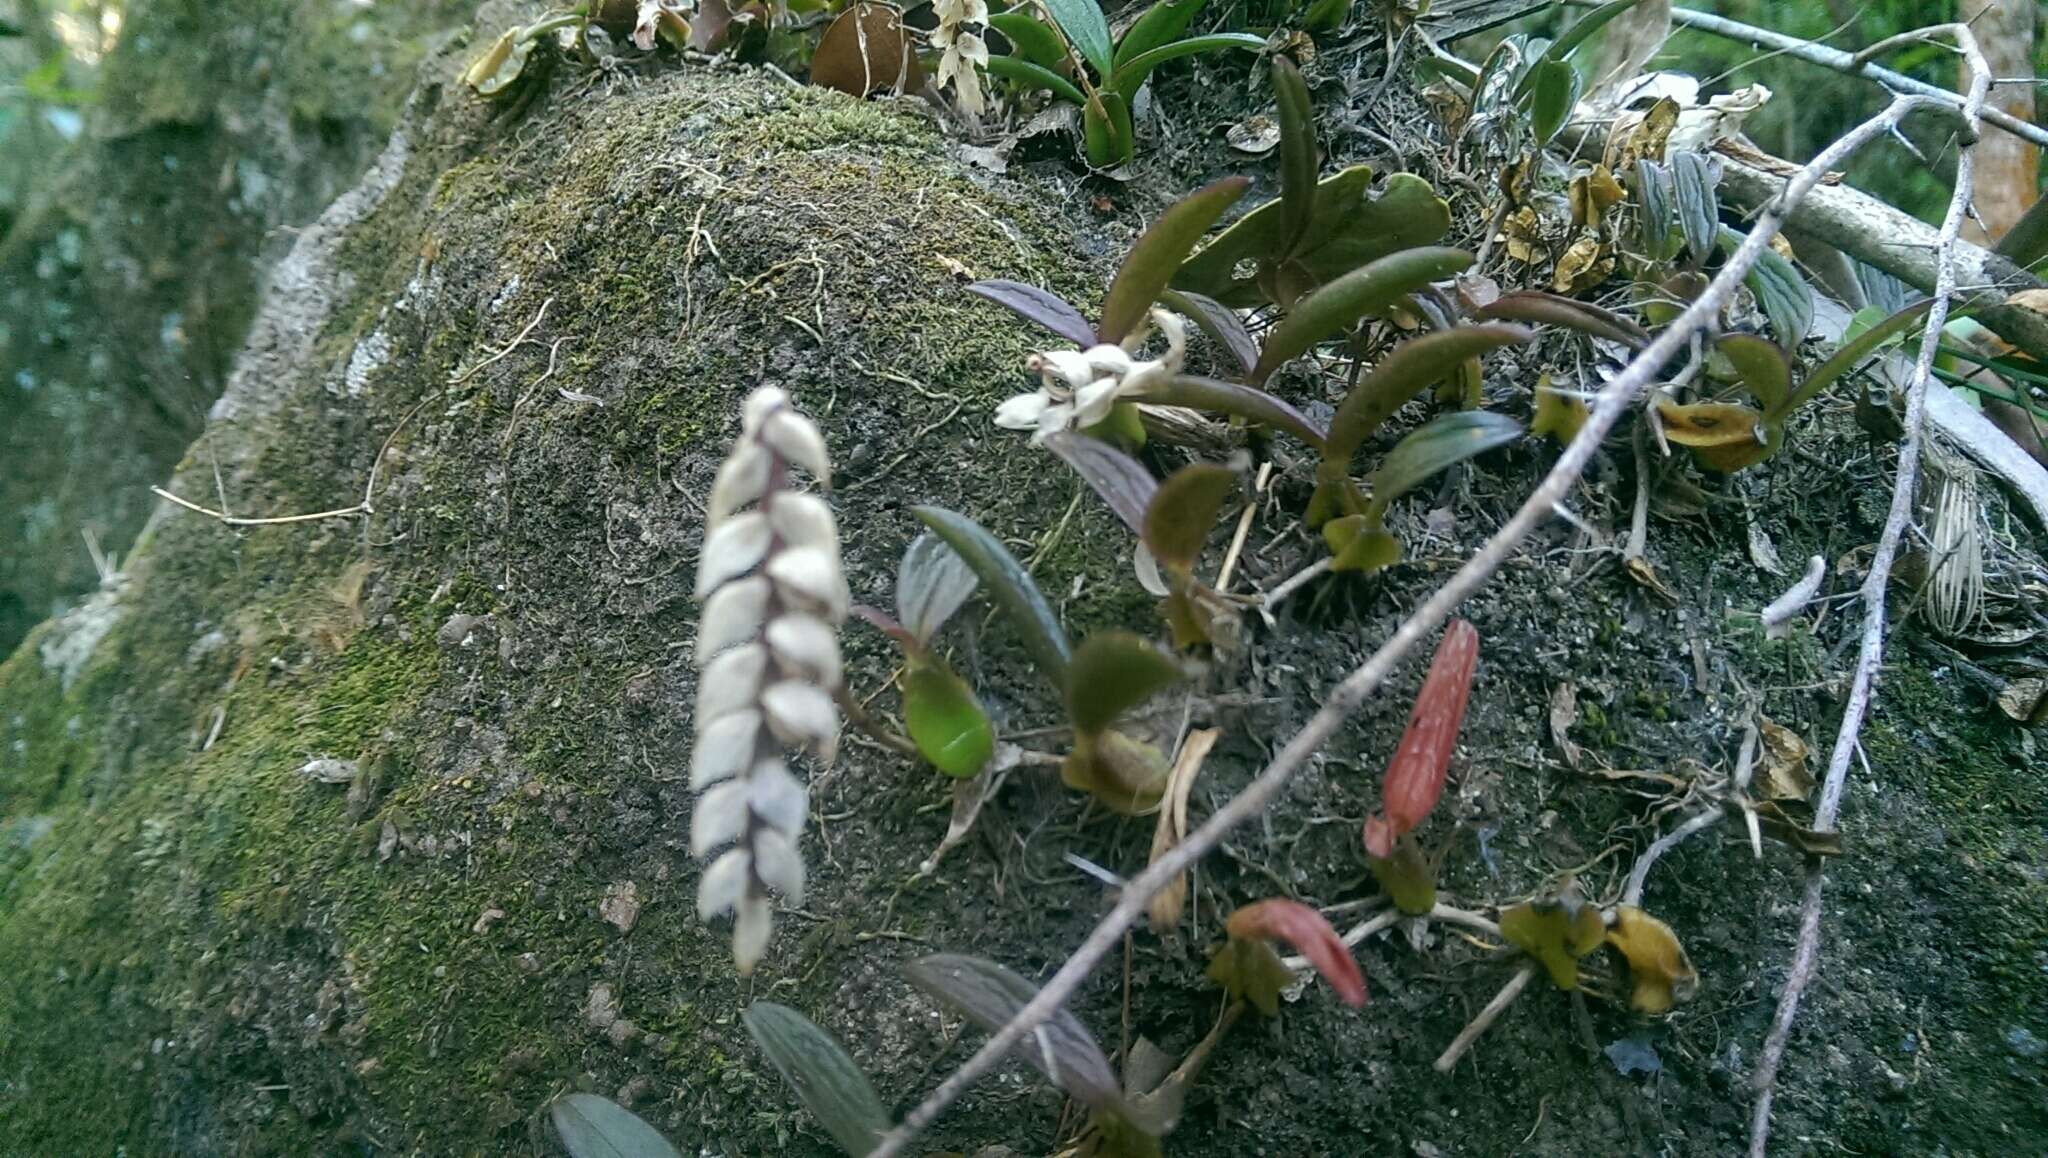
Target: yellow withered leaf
{"type": "Point", "coordinates": [1635, 137]}
{"type": "Point", "coordinates": [1558, 414]}
{"type": "Point", "coordinates": [1586, 264]}
{"type": "Point", "coordinates": [1721, 435]}
{"type": "Point", "coordinates": [1593, 194]}
{"type": "Point", "coordinates": [1657, 965]}
{"type": "Point", "coordinates": [1556, 933]}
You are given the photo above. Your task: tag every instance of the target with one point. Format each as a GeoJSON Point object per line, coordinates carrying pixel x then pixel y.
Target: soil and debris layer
{"type": "Point", "coordinates": [369, 834]}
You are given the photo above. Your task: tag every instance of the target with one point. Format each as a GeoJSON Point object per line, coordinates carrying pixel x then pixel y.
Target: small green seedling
{"type": "Point", "coordinates": [1314, 232]}
{"type": "Point", "coordinates": [940, 710]}
{"type": "Point", "coordinates": [1065, 47]}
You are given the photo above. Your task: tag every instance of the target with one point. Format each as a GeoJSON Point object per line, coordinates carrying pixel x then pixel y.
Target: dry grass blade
{"type": "Point", "coordinates": [1171, 900]}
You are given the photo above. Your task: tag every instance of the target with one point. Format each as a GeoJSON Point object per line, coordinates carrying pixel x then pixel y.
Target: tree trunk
{"type": "Point", "coordinates": [2008, 169]}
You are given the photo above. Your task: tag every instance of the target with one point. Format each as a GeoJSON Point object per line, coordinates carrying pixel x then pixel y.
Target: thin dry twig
{"type": "Point", "coordinates": [1870, 652]}
{"type": "Point", "coordinates": [1613, 400]}
{"type": "Point", "coordinates": [1480, 1024]}
{"type": "Point", "coordinates": [361, 508]}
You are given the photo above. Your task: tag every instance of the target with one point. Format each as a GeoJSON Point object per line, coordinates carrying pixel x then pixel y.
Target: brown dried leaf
{"type": "Point", "coordinates": [1564, 712]}
{"type": "Point", "coordinates": [1639, 569]}
{"type": "Point", "coordinates": [2025, 701]}
{"type": "Point", "coordinates": [867, 49]}
{"type": "Point", "coordinates": [1635, 137]}
{"type": "Point", "coordinates": [1783, 774]}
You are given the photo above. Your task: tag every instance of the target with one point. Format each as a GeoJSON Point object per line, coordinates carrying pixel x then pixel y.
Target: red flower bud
{"type": "Point", "coordinates": [1309, 934]}
{"type": "Point", "coordinates": [1415, 776]}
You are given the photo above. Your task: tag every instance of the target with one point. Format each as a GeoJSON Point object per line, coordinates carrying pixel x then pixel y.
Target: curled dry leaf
{"type": "Point", "coordinates": [1564, 712]}
{"type": "Point", "coordinates": [1657, 965]}
{"type": "Point", "coordinates": [1309, 934]}
{"type": "Point", "coordinates": [1783, 774]}
{"type": "Point", "coordinates": [1168, 903]}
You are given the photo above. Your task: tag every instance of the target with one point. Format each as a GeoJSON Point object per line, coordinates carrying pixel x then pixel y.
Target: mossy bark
{"type": "Point", "coordinates": [130, 273]}
{"type": "Point", "coordinates": [533, 328]}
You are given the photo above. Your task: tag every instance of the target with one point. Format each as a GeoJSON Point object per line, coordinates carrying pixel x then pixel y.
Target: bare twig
{"type": "Point", "coordinates": [1870, 653]}
{"type": "Point", "coordinates": [1951, 103]}
{"type": "Point", "coordinates": [1503, 999]}
{"type": "Point", "coordinates": [1778, 615]}
{"type": "Point", "coordinates": [1608, 406]}
{"type": "Point", "coordinates": [361, 508]}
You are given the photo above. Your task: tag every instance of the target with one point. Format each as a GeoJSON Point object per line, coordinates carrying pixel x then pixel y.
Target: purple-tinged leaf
{"type": "Point", "coordinates": [1042, 308]}
{"type": "Point", "coordinates": [1009, 584]}
{"type": "Point", "coordinates": [1246, 402]}
{"type": "Point", "coordinates": [1539, 308]}
{"type": "Point", "coordinates": [1121, 480]}
{"type": "Point", "coordinates": [828, 1082]}
{"type": "Point", "coordinates": [1062, 1048]}
{"type": "Point", "coordinates": [1218, 321]}
{"type": "Point", "coordinates": [931, 584]}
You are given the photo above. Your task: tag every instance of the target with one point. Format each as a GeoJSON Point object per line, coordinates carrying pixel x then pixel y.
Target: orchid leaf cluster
{"type": "Point", "coordinates": [1065, 47]}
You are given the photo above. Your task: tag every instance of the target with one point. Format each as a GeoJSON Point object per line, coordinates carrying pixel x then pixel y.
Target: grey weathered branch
{"type": "Point", "coordinates": [1950, 103]}
{"type": "Point", "coordinates": [1870, 652]}
{"type": "Point", "coordinates": [1899, 244]}
{"type": "Point", "coordinates": [1613, 400]}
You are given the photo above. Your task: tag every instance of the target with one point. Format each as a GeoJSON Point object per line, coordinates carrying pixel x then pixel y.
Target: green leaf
{"type": "Point", "coordinates": [1657, 218]}
{"type": "Point", "coordinates": [1407, 370]}
{"type": "Point", "coordinates": [1218, 321]}
{"type": "Point", "coordinates": [1537, 307]}
{"type": "Point", "coordinates": [1181, 515]}
{"type": "Point", "coordinates": [1106, 131]}
{"type": "Point", "coordinates": [825, 1079]}
{"type": "Point", "coordinates": [1086, 30]}
{"type": "Point", "coordinates": [945, 720]}
{"type": "Point", "coordinates": [931, 584]}
{"type": "Point", "coordinates": [1556, 90]}
{"type": "Point", "coordinates": [1158, 253]}
{"type": "Point", "coordinates": [1339, 305]}
{"type": "Point", "coordinates": [990, 995]}
{"type": "Point", "coordinates": [1298, 155]}
{"type": "Point", "coordinates": [1852, 353]}
{"type": "Point", "coordinates": [1033, 41]}
{"type": "Point", "coordinates": [1765, 370]}
{"type": "Point", "coordinates": [1113, 672]}
{"type": "Point", "coordinates": [1250, 970]}
{"type": "Point", "coordinates": [1438, 445]}
{"type": "Point", "coordinates": [1162, 23]}
{"type": "Point", "coordinates": [1575, 36]}
{"type": "Point", "coordinates": [1784, 295]}
{"type": "Point", "coordinates": [1247, 402]}
{"type": "Point", "coordinates": [1037, 76]}
{"type": "Point", "coordinates": [1349, 227]}
{"type": "Point", "coordinates": [1694, 178]}
{"type": "Point", "coordinates": [1131, 74]}
{"type": "Point", "coordinates": [595, 1127]}
{"type": "Point", "coordinates": [1010, 585]}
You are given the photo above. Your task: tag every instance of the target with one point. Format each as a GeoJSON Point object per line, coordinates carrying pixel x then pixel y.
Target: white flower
{"type": "Point", "coordinates": [1079, 388]}
{"type": "Point", "coordinates": [773, 594]}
